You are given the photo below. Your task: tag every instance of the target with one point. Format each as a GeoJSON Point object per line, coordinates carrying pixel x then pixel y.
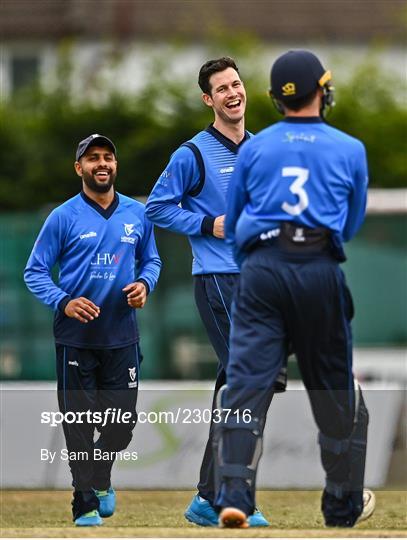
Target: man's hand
{"type": "Point", "coordinates": [82, 309]}
{"type": "Point", "coordinates": [137, 294]}
{"type": "Point", "coordinates": [218, 227]}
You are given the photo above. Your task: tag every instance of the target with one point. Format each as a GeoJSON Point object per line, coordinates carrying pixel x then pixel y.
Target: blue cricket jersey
{"type": "Point", "coordinates": [98, 252]}
{"type": "Point", "coordinates": [300, 170]}
{"type": "Point", "coordinates": [175, 204]}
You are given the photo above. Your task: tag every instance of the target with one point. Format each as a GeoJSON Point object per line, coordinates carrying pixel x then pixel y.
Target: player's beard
{"type": "Point", "coordinates": [95, 185]}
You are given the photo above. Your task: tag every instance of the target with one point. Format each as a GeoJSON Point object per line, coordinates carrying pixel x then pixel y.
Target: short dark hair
{"type": "Point", "coordinates": [213, 66]}
{"type": "Point", "coordinates": [301, 102]}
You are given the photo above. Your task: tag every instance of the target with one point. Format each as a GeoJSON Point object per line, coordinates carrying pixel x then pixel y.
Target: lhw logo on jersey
{"type": "Point", "coordinates": [105, 259]}
{"type": "Point", "coordinates": [129, 230]}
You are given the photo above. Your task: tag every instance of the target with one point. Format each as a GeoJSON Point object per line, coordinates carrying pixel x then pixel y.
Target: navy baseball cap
{"type": "Point", "coordinates": [94, 140]}
{"type": "Point", "coordinates": [296, 74]}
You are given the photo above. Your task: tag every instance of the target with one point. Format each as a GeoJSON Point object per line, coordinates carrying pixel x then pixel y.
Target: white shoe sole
{"type": "Point", "coordinates": [369, 505]}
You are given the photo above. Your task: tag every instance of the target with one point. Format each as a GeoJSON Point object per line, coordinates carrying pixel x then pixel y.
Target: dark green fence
{"type": "Point", "coordinates": [173, 340]}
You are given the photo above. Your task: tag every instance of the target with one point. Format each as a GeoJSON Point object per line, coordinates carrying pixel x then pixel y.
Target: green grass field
{"type": "Point", "coordinates": [158, 514]}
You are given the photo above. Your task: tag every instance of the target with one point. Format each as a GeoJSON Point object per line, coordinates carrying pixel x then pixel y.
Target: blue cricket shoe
{"type": "Point", "coordinates": [107, 499]}
{"type": "Point", "coordinates": [202, 513]}
{"type": "Point", "coordinates": [90, 519]}
{"type": "Point", "coordinates": [257, 519]}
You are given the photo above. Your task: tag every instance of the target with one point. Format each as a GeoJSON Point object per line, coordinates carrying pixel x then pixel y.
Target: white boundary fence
{"type": "Point", "coordinates": [169, 454]}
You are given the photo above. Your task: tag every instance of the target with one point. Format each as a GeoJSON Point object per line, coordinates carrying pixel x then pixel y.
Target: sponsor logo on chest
{"type": "Point", "coordinates": [90, 234]}
{"type": "Point", "coordinates": [105, 259]}
{"type": "Point", "coordinates": [226, 170]}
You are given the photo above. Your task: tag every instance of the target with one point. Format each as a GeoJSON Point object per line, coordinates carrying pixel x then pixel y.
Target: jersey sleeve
{"type": "Point", "coordinates": [358, 196]}
{"type": "Point", "coordinates": [237, 198]}
{"type": "Point", "coordinates": [179, 177]}
{"type": "Point", "coordinates": [45, 253]}
{"type": "Point", "coordinates": [149, 262]}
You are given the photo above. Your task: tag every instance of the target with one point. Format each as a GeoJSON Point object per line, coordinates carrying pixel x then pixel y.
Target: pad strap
{"type": "Point", "coordinates": [234, 470]}
{"type": "Point", "coordinates": [234, 423]}
{"type": "Point", "coordinates": [337, 489]}
{"type": "Point", "coordinates": [336, 446]}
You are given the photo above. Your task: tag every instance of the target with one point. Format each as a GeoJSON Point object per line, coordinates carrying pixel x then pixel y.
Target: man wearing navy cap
{"type": "Point", "coordinates": [108, 264]}
{"type": "Point", "coordinates": [297, 193]}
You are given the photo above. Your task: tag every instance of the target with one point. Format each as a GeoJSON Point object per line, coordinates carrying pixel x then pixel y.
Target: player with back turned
{"type": "Point", "coordinates": [108, 264]}
{"type": "Point", "coordinates": [298, 191]}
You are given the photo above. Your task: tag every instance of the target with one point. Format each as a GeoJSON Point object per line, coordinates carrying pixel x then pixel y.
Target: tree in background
{"type": "Point", "coordinates": [40, 128]}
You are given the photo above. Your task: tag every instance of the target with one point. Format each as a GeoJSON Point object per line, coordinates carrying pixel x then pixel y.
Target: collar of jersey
{"type": "Point", "coordinates": [104, 212]}
{"type": "Point", "coordinates": [229, 144]}
{"type": "Point", "coordinates": [303, 119]}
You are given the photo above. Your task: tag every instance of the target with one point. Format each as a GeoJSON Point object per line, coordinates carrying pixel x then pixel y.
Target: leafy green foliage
{"type": "Point", "coordinates": [40, 130]}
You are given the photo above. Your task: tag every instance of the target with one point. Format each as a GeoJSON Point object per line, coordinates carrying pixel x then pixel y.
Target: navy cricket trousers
{"type": "Point", "coordinates": [304, 299]}
{"type": "Point", "coordinates": [95, 380]}
{"type": "Point", "coordinates": [213, 297]}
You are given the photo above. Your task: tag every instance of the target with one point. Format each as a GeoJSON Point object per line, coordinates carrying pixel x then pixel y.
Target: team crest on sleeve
{"type": "Point", "coordinates": [163, 179]}
{"type": "Point", "coordinates": [129, 229]}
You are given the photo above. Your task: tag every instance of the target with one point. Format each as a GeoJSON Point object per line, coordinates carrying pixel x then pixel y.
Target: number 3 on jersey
{"type": "Point", "coordinates": [301, 176]}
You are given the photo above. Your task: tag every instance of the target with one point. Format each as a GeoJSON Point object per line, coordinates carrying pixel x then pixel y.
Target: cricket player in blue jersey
{"type": "Point", "coordinates": [108, 264]}
{"type": "Point", "coordinates": [190, 198]}
{"type": "Point", "coordinates": [298, 192]}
